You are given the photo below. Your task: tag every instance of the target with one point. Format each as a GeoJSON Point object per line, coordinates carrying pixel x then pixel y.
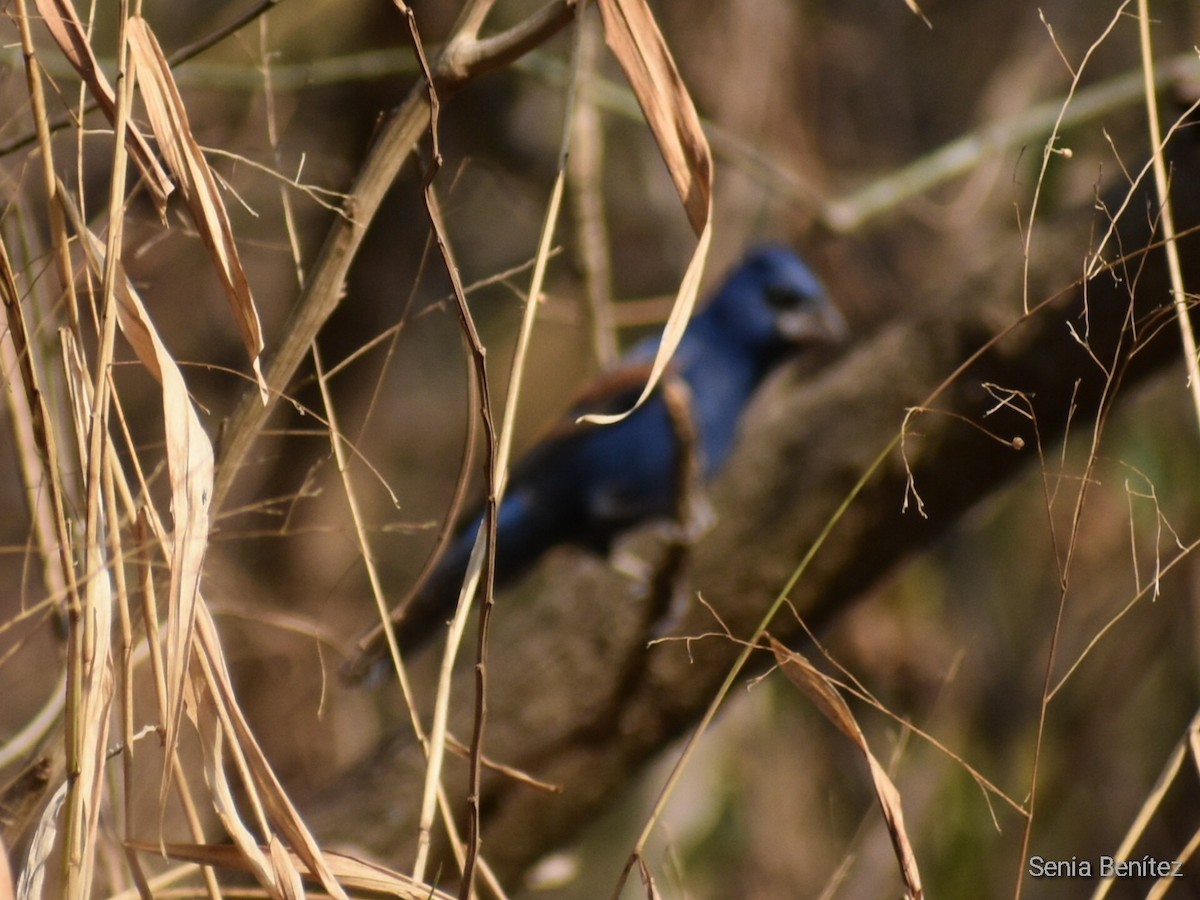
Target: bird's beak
{"type": "Point", "coordinates": [821, 326]}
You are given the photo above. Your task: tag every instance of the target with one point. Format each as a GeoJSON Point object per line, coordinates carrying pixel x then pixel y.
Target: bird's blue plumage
{"type": "Point", "coordinates": [585, 484]}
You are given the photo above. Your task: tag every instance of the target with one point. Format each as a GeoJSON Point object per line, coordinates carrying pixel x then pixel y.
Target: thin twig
{"type": "Point", "coordinates": [1050, 148]}
{"type": "Point", "coordinates": [479, 357]}
{"type": "Point", "coordinates": [393, 145]}
{"type": "Point", "coordinates": [182, 55]}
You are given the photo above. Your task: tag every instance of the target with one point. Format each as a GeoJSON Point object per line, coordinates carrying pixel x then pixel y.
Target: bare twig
{"type": "Point", "coordinates": [393, 144]}
{"type": "Point", "coordinates": [183, 54]}
{"type": "Point", "coordinates": [488, 536]}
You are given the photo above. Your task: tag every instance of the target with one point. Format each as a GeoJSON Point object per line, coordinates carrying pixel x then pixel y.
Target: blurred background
{"type": "Point", "coordinates": [806, 104]}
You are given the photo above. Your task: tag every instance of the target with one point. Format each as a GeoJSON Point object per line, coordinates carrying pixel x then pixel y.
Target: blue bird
{"type": "Point", "coordinates": [586, 484]}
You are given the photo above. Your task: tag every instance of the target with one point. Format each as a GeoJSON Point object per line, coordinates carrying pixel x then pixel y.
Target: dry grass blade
{"type": "Point", "coordinates": [829, 701]}
{"type": "Point", "coordinates": [211, 681]}
{"type": "Point", "coordinates": [1152, 805]}
{"type": "Point", "coordinates": [91, 722]}
{"type": "Point", "coordinates": [190, 466]}
{"type": "Point", "coordinates": [633, 36]}
{"type": "Point", "coordinates": [916, 10]}
{"type": "Point", "coordinates": [169, 121]}
{"type": "Point", "coordinates": [258, 862]}
{"type": "Point", "coordinates": [292, 887]}
{"type": "Point", "coordinates": [68, 33]}
{"type": "Point", "coordinates": [648, 884]}
{"type": "Point", "coordinates": [1182, 302]}
{"type": "Point", "coordinates": [681, 312]}
{"type": "Point", "coordinates": [89, 663]}
{"type": "Point", "coordinates": [354, 873]}
{"type": "Point", "coordinates": [635, 40]}
{"type": "Point", "coordinates": [33, 875]}
{"type": "Point", "coordinates": [29, 406]}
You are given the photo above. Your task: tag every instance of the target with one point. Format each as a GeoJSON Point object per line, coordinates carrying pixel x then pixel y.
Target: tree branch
{"type": "Point", "coordinates": [562, 706]}
{"type": "Point", "coordinates": [461, 61]}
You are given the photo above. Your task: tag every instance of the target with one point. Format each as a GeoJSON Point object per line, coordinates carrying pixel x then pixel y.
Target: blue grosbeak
{"type": "Point", "coordinates": [585, 484]}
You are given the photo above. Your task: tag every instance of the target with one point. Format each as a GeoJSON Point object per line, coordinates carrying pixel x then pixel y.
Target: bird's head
{"type": "Point", "coordinates": [773, 302]}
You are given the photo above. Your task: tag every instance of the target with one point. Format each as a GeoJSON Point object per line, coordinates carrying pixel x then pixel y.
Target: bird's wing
{"type": "Point", "coordinates": [613, 392]}
{"type": "Point", "coordinates": [610, 393]}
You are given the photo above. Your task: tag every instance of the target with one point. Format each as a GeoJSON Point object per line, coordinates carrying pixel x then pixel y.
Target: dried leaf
{"type": "Point", "coordinates": [824, 693]}
{"type": "Point", "coordinates": [681, 312]}
{"type": "Point", "coordinates": [255, 859]}
{"type": "Point", "coordinates": [354, 873]}
{"type": "Point", "coordinates": [290, 885]}
{"type": "Point", "coordinates": [917, 11]}
{"type": "Point", "coordinates": [68, 33]}
{"type": "Point", "coordinates": [634, 38]}
{"type": "Point", "coordinates": [169, 121]}
{"type": "Point", "coordinates": [189, 465]}
{"type": "Point", "coordinates": [37, 856]}
{"type": "Point", "coordinates": [211, 681]}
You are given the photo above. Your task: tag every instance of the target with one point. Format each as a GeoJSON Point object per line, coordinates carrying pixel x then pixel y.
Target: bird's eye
{"type": "Point", "coordinates": [783, 299]}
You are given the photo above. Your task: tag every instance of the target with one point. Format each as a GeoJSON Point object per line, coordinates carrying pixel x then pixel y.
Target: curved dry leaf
{"type": "Point", "coordinates": [169, 122]}
{"type": "Point", "coordinates": [828, 699]}
{"type": "Point", "coordinates": [256, 860]}
{"type": "Point", "coordinates": [37, 856]}
{"type": "Point", "coordinates": [634, 38]}
{"type": "Point", "coordinates": [261, 787]}
{"type": "Point", "coordinates": [681, 312]}
{"type": "Point", "coordinates": [189, 466]}
{"type": "Point", "coordinates": [66, 29]}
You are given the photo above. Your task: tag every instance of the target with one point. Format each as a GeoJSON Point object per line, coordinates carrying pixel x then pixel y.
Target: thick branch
{"type": "Point", "coordinates": [564, 705]}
